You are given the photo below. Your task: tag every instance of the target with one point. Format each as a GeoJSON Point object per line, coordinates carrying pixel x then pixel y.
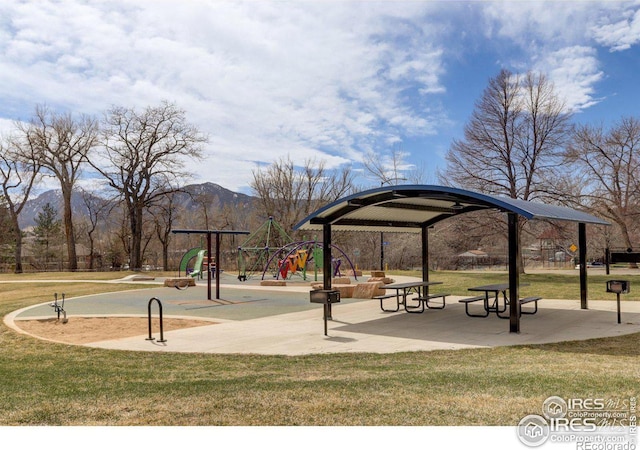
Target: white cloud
{"type": "Point", "coordinates": [574, 71]}
{"type": "Point", "coordinates": [6, 127]}
{"type": "Point", "coordinates": [619, 33]}
{"type": "Point", "coordinates": [558, 38]}
{"type": "Point", "coordinates": [262, 78]}
{"type": "Point", "coordinates": [313, 79]}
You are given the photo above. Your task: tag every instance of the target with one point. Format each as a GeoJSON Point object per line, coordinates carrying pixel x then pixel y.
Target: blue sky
{"type": "Point", "coordinates": [329, 80]}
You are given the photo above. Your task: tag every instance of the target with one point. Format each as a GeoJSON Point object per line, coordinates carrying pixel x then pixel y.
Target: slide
{"type": "Point", "coordinates": [197, 267]}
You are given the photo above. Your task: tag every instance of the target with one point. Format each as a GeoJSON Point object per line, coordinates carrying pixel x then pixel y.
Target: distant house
{"type": "Point", "coordinates": [553, 247]}
{"type": "Point", "coordinates": [473, 254]}
{"type": "Point", "coordinates": [473, 258]}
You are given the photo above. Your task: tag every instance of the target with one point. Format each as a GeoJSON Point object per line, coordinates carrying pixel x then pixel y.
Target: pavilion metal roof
{"type": "Point", "coordinates": [408, 208]}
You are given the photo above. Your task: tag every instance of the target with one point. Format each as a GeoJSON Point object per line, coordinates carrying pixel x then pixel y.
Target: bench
{"type": "Point", "coordinates": [385, 297]}
{"type": "Point", "coordinates": [524, 301]}
{"type": "Point", "coordinates": [466, 302]}
{"type": "Point", "coordinates": [424, 301]}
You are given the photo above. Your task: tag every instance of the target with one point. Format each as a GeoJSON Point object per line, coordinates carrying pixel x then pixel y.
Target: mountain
{"type": "Point", "coordinates": [212, 192]}
{"type": "Point", "coordinates": [54, 198]}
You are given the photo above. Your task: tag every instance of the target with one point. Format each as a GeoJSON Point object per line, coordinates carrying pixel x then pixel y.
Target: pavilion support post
{"type": "Point", "coordinates": [327, 269]}
{"type": "Point", "coordinates": [209, 266]}
{"type": "Point", "coordinates": [326, 256]}
{"type": "Point", "coordinates": [425, 253]}
{"type": "Point", "coordinates": [514, 274]}
{"type": "Point", "coordinates": [582, 244]}
{"type": "Point", "coordinates": [217, 266]}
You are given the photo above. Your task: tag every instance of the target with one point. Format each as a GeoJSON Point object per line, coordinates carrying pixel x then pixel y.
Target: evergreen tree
{"type": "Point", "coordinates": [48, 234]}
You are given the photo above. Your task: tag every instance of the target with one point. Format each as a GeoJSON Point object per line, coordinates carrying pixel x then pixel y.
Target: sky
{"type": "Point", "coordinates": [315, 80]}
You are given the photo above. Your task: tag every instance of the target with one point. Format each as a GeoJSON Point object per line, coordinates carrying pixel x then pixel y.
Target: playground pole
{"type": "Point", "coordinates": [209, 268]}
{"type": "Point", "coordinates": [217, 266]}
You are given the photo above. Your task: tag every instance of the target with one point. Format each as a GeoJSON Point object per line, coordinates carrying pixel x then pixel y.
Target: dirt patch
{"type": "Point", "coordinates": [84, 330]}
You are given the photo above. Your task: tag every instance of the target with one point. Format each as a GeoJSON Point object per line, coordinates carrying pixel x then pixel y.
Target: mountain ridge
{"type": "Point", "coordinates": [186, 197]}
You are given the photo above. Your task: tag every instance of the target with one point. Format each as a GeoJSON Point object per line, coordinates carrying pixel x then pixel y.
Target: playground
{"type": "Point", "coordinates": [255, 319]}
{"type": "Point", "coordinates": [270, 306]}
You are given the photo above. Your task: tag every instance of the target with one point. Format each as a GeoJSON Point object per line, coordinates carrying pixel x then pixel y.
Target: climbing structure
{"type": "Point", "coordinates": [254, 255]}
{"type": "Point", "coordinates": [295, 258]}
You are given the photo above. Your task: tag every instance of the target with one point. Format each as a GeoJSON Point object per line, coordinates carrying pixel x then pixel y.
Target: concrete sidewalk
{"type": "Point", "coordinates": [259, 320]}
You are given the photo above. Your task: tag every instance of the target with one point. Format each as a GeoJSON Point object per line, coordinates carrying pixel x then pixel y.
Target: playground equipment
{"type": "Point", "coordinates": [270, 250]}
{"type": "Point", "coordinates": [197, 267]}
{"type": "Point", "coordinates": [293, 263]}
{"type": "Point", "coordinates": [217, 234]}
{"type": "Point", "coordinates": [254, 255]}
{"type": "Point", "coordinates": [294, 259]}
{"type": "Point", "coordinates": [59, 307]}
{"type": "Point", "coordinates": [196, 253]}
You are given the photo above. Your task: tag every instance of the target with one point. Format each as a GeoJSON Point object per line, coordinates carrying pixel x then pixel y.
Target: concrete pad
{"type": "Point", "coordinates": [254, 319]}
{"type": "Point", "coordinates": [363, 327]}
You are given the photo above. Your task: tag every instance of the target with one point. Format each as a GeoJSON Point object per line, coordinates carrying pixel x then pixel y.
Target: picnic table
{"type": "Point", "coordinates": [491, 300]}
{"type": "Point", "coordinates": [403, 290]}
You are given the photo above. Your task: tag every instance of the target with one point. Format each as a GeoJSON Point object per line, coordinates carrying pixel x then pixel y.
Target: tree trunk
{"type": "Point", "coordinates": [68, 229]}
{"type": "Point", "coordinates": [165, 255]}
{"type": "Point", "coordinates": [627, 241]}
{"type": "Point", "coordinates": [17, 235]}
{"type": "Point", "coordinates": [136, 238]}
{"type": "Point", "coordinates": [91, 251]}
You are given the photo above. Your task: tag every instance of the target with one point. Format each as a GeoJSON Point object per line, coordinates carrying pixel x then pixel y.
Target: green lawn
{"type": "Point", "coordinates": [53, 384]}
{"type": "Point", "coordinates": [562, 285]}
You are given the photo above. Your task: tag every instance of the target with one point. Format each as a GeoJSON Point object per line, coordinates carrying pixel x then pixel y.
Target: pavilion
{"type": "Point", "coordinates": [416, 208]}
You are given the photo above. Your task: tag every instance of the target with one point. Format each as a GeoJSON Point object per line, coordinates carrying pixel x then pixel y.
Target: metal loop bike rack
{"type": "Point", "coordinates": [151, 338]}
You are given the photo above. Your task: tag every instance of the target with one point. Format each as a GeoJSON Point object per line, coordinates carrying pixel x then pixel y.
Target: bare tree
{"type": "Point", "coordinates": [164, 213]}
{"type": "Point", "coordinates": [289, 194]}
{"type": "Point", "coordinates": [97, 208]}
{"type": "Point", "coordinates": [392, 168]}
{"type": "Point", "coordinates": [61, 144]}
{"type": "Point", "coordinates": [142, 160]}
{"type": "Point", "coordinates": [19, 171]}
{"type": "Point", "coordinates": [512, 142]}
{"type": "Point", "coordinates": [609, 165]}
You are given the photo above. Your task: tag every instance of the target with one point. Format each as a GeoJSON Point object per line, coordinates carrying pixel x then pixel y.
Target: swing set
{"type": "Point", "coordinates": [201, 255]}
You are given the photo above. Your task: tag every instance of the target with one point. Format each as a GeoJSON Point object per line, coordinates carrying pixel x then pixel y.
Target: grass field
{"type": "Point", "coordinates": [44, 383]}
